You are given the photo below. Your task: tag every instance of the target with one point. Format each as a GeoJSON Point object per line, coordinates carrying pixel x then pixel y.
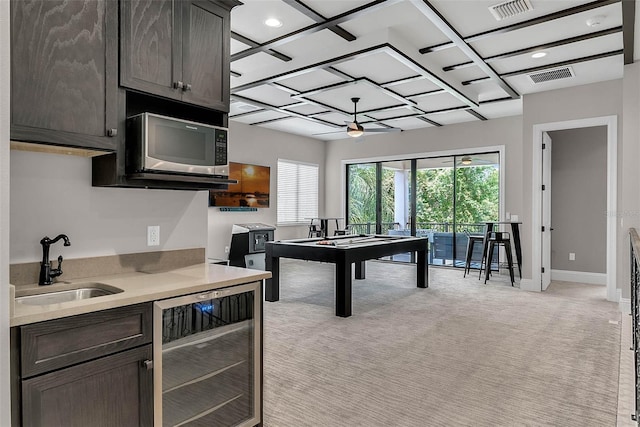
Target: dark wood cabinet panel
{"type": "Point", "coordinates": [205, 55]}
{"type": "Point", "coordinates": [64, 72]}
{"type": "Point", "coordinates": [58, 343]}
{"type": "Point", "coordinates": [150, 46]}
{"type": "Point", "coordinates": [111, 391]}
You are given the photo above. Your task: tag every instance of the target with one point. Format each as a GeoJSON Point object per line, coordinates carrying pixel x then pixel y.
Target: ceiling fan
{"type": "Point", "coordinates": [467, 160]}
{"type": "Point", "coordinates": [355, 129]}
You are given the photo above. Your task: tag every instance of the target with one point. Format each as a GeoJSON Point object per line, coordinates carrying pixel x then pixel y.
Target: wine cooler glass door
{"type": "Point", "coordinates": [207, 358]}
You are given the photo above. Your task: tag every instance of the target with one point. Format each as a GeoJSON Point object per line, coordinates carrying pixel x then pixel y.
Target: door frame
{"type": "Point", "coordinates": [611, 122]}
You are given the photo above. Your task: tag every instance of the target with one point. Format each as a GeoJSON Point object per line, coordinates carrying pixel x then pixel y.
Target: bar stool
{"type": "Point", "coordinates": [314, 230]}
{"type": "Point", "coordinates": [498, 238]}
{"type": "Point", "coordinates": [472, 240]}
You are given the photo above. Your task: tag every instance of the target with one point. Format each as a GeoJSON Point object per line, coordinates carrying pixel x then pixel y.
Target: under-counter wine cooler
{"type": "Point", "coordinates": [207, 351]}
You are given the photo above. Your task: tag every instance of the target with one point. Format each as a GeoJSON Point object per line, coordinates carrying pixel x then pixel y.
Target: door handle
{"type": "Point", "coordinates": [178, 85]}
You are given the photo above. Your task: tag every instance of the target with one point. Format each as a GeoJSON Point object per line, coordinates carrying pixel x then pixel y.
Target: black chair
{"type": "Point", "coordinates": [472, 239]}
{"type": "Point", "coordinates": [341, 231]}
{"type": "Point", "coordinates": [499, 238]}
{"type": "Point", "coordinates": [314, 230]}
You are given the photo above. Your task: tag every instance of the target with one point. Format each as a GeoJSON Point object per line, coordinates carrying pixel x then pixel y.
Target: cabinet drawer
{"type": "Point", "coordinates": [58, 343]}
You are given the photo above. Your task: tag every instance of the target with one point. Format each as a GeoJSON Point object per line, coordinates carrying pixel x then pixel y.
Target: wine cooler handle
{"type": "Point", "coordinates": [148, 364]}
{"type": "Point", "coordinates": [210, 295]}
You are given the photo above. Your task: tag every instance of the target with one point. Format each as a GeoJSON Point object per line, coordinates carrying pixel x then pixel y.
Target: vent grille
{"type": "Point", "coordinates": [549, 75]}
{"type": "Point", "coordinates": [510, 8]}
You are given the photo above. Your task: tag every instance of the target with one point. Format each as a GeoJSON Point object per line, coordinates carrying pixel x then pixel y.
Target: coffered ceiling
{"type": "Point", "coordinates": [414, 63]}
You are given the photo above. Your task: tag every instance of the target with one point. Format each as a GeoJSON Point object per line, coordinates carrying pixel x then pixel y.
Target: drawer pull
{"type": "Point", "coordinates": [148, 364]}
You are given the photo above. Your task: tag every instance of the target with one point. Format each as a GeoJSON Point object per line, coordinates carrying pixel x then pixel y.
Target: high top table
{"type": "Point", "coordinates": [515, 235]}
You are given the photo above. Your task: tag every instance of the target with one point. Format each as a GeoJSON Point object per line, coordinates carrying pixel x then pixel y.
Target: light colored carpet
{"type": "Point", "coordinates": [457, 354]}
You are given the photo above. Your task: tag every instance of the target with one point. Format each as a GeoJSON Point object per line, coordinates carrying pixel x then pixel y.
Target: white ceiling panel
{"type": "Point", "coordinates": [311, 80]}
{"type": "Point", "coordinates": [414, 87]}
{"type": "Point", "coordinates": [385, 114]}
{"type": "Point", "coordinates": [248, 19]}
{"type": "Point", "coordinates": [253, 62]}
{"type": "Point", "coordinates": [379, 67]}
{"type": "Point", "coordinates": [585, 73]}
{"type": "Point", "coordinates": [370, 97]}
{"type": "Point", "coordinates": [300, 47]}
{"type": "Point", "coordinates": [408, 123]}
{"type": "Point", "coordinates": [239, 107]}
{"type": "Point", "coordinates": [329, 9]}
{"type": "Point", "coordinates": [259, 117]}
{"type": "Point", "coordinates": [307, 109]}
{"type": "Point", "coordinates": [269, 95]}
{"type": "Point", "coordinates": [438, 102]}
{"type": "Point", "coordinates": [237, 46]}
{"type": "Point", "coordinates": [494, 110]}
{"type": "Point", "coordinates": [452, 117]}
{"type": "Point", "coordinates": [336, 118]}
{"type": "Point", "coordinates": [300, 127]}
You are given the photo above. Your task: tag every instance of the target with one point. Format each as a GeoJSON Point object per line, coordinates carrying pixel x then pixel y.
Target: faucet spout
{"type": "Point", "coordinates": [46, 272]}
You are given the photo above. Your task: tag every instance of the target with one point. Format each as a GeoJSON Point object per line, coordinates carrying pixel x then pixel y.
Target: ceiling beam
{"type": "Point", "coordinates": [524, 24]}
{"type": "Point", "coordinates": [539, 47]}
{"type": "Point", "coordinates": [628, 29]}
{"type": "Point", "coordinates": [245, 40]}
{"type": "Point", "coordinates": [339, 19]}
{"type": "Point", "coordinates": [438, 20]}
{"type": "Point", "coordinates": [475, 114]}
{"type": "Point", "coordinates": [307, 11]}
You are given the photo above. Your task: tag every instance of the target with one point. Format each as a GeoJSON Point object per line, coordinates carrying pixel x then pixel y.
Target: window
{"type": "Point", "coordinates": [297, 192]}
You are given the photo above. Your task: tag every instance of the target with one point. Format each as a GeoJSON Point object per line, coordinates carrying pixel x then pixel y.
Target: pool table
{"type": "Point", "coordinates": [343, 251]}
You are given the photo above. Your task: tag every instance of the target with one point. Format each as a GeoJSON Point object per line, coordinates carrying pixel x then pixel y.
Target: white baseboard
{"type": "Point", "coordinates": [579, 277]}
{"type": "Point", "coordinates": [624, 304]}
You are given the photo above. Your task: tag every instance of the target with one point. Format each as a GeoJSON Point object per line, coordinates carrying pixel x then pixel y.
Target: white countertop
{"type": "Point", "coordinates": [137, 288]}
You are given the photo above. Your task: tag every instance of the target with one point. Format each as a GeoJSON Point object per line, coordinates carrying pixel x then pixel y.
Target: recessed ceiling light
{"type": "Point", "coordinates": [539, 55]}
{"type": "Point", "coordinates": [273, 22]}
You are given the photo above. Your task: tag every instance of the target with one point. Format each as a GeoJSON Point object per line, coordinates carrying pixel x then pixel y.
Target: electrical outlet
{"type": "Point", "coordinates": [572, 256]}
{"type": "Point", "coordinates": [153, 235]}
{"type": "Point", "coordinates": [226, 249]}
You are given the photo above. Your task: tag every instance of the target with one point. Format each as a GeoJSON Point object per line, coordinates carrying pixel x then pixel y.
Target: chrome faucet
{"type": "Point", "coordinates": [46, 272]}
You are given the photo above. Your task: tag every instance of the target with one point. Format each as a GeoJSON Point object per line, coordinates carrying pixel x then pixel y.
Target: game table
{"type": "Point", "coordinates": [343, 251]}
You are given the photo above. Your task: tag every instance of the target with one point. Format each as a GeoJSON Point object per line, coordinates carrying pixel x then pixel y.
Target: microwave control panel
{"type": "Point", "coordinates": [221, 147]}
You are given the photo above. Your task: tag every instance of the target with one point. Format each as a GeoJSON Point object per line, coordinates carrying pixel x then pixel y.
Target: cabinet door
{"type": "Point", "coordinates": [151, 48]}
{"type": "Point", "coordinates": [64, 72]}
{"type": "Point", "coordinates": [112, 391]}
{"type": "Point", "coordinates": [205, 52]}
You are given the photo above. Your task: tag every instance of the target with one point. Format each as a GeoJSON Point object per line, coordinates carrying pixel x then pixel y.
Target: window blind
{"type": "Point", "coordinates": [297, 192]}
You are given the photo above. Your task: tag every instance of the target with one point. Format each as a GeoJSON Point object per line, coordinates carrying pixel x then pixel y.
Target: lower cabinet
{"type": "Point", "coordinates": [93, 369]}
{"type": "Point", "coordinates": [111, 391]}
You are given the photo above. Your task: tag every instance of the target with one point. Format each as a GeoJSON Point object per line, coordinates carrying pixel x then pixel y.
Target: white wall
{"type": "Point", "coordinates": [471, 135]}
{"type": "Point", "coordinates": [52, 194]}
{"type": "Point", "coordinates": [260, 146]}
{"type": "Point", "coordinates": [5, 400]}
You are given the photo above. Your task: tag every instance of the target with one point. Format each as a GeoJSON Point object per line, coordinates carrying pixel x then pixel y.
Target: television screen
{"type": "Point", "coordinates": [252, 189]}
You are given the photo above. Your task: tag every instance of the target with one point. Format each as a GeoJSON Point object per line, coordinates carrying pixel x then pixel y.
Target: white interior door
{"type": "Point", "coordinates": [546, 210]}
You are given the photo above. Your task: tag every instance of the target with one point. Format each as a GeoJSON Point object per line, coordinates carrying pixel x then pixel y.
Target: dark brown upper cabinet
{"type": "Point", "coordinates": [177, 49]}
{"type": "Point", "coordinates": [64, 72]}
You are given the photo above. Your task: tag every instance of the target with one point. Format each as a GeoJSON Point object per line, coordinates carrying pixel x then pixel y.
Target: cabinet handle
{"type": "Point", "coordinates": [178, 85]}
{"type": "Point", "coordinates": [148, 364]}
{"type": "Point", "coordinates": [112, 132]}
{"type": "Point", "coordinates": [187, 87]}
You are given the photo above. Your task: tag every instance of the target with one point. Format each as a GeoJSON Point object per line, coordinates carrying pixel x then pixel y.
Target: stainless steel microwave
{"type": "Point", "coordinates": [165, 145]}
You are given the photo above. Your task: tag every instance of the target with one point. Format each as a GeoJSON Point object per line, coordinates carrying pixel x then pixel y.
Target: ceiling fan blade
{"type": "Point", "coordinates": [382, 130]}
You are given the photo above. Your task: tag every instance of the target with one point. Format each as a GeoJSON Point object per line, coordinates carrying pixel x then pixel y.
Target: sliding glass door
{"type": "Point", "coordinates": [441, 198]}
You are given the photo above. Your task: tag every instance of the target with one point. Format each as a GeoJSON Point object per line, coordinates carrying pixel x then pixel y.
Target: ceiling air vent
{"type": "Point", "coordinates": [553, 74]}
{"type": "Point", "coordinates": [510, 8]}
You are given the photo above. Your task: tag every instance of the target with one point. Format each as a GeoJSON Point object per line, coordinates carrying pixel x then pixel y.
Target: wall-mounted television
{"type": "Point", "coordinates": [251, 191]}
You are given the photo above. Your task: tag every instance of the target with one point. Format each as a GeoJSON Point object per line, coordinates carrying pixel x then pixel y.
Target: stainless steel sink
{"type": "Point", "coordinates": [66, 293]}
